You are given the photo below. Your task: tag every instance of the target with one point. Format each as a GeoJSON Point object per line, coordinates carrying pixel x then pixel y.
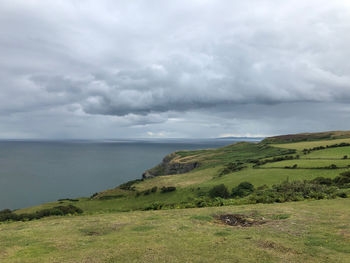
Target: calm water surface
{"type": "Point", "coordinates": [32, 173]}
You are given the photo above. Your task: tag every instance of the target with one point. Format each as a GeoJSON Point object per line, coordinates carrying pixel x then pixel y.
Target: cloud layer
{"type": "Point", "coordinates": [139, 68]}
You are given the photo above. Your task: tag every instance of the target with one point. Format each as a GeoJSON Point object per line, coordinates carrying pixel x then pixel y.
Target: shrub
{"type": "Point", "coordinates": [243, 189]}
{"type": "Point", "coordinates": [343, 180]}
{"type": "Point", "coordinates": [219, 191]}
{"type": "Point", "coordinates": [332, 166]}
{"type": "Point", "coordinates": [129, 185]}
{"type": "Point", "coordinates": [155, 206]}
{"type": "Point", "coordinates": [147, 192]}
{"type": "Point", "coordinates": [154, 189]}
{"type": "Point", "coordinates": [342, 195]}
{"type": "Point", "coordinates": [7, 214]}
{"type": "Point", "coordinates": [322, 181]}
{"type": "Point", "coordinates": [167, 189]}
{"type": "Point", "coordinates": [109, 197]}
{"type": "Point", "coordinates": [232, 167]}
{"type": "Point", "coordinates": [93, 195]}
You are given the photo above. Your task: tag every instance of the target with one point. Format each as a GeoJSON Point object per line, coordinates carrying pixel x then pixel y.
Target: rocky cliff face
{"type": "Point", "coordinates": [170, 165]}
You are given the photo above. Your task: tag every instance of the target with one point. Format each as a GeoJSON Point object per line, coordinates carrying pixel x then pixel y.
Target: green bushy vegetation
{"type": "Point", "coordinates": [8, 215]}
{"type": "Point", "coordinates": [246, 193]}
{"type": "Point", "coordinates": [232, 167]}
{"type": "Point", "coordinates": [130, 185]}
{"type": "Point", "coordinates": [242, 190]}
{"type": "Point", "coordinates": [219, 191]}
{"type": "Point", "coordinates": [167, 189]}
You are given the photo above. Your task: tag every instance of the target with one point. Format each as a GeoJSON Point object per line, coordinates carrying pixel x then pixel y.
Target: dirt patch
{"type": "Point", "coordinates": [240, 220]}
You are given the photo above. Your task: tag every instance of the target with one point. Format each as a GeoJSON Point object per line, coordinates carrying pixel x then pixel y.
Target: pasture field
{"type": "Point", "coordinates": [308, 231]}
{"type": "Point", "coordinates": [330, 153]}
{"type": "Point", "coordinates": [306, 145]}
{"type": "Point", "coordinates": [310, 163]}
{"type": "Point", "coordinates": [129, 201]}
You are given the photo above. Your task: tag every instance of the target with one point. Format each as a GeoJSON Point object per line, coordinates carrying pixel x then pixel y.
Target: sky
{"type": "Point", "coordinates": [180, 69]}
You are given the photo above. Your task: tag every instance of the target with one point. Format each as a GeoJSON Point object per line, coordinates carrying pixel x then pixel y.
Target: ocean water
{"type": "Point", "coordinates": [34, 172]}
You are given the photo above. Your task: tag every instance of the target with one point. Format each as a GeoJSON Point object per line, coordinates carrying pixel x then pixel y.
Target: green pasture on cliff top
{"type": "Point", "coordinates": [307, 231]}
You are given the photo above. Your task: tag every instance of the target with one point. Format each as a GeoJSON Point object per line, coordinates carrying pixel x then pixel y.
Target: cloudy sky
{"type": "Point", "coordinates": [184, 68]}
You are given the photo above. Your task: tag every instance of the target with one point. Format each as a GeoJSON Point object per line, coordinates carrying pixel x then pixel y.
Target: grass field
{"type": "Point", "coordinates": [307, 163]}
{"type": "Point", "coordinates": [310, 231]}
{"type": "Point", "coordinates": [111, 230]}
{"type": "Point", "coordinates": [313, 231]}
{"type": "Point", "coordinates": [330, 153]}
{"type": "Point", "coordinates": [306, 145]}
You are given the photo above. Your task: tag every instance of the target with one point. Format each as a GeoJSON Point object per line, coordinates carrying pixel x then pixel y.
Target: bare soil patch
{"type": "Point", "coordinates": [240, 220]}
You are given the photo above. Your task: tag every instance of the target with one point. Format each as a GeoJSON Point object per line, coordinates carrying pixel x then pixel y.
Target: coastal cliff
{"type": "Point", "coordinates": [171, 164]}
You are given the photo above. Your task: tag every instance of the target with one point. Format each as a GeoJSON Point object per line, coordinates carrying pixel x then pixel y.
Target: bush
{"type": "Point", "coordinates": [167, 189]}
{"type": "Point", "coordinates": [232, 167]}
{"type": "Point", "coordinates": [7, 214]}
{"type": "Point", "coordinates": [322, 181]}
{"type": "Point", "coordinates": [154, 189]}
{"type": "Point", "coordinates": [129, 185]}
{"type": "Point", "coordinates": [243, 189]}
{"type": "Point", "coordinates": [93, 195]}
{"type": "Point", "coordinates": [147, 192]}
{"type": "Point", "coordinates": [219, 191]}
{"type": "Point", "coordinates": [343, 180]}
{"type": "Point", "coordinates": [155, 206]}
{"type": "Point", "coordinates": [342, 195]}
{"type": "Point", "coordinates": [332, 166]}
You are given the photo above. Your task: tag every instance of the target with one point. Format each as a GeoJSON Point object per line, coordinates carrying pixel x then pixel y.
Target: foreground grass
{"type": "Point", "coordinates": [310, 231]}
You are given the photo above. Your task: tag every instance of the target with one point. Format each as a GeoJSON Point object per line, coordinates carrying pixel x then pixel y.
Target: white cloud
{"type": "Point", "coordinates": [133, 64]}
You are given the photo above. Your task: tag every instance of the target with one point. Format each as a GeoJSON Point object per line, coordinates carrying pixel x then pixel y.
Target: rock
{"type": "Point", "coordinates": [170, 165]}
{"type": "Point", "coordinates": [147, 175]}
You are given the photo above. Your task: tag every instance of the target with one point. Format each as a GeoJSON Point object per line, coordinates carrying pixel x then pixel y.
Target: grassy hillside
{"type": "Point", "coordinates": [309, 231]}
{"type": "Point", "coordinates": [306, 231]}
{"type": "Point", "coordinates": [197, 183]}
{"type": "Point", "coordinates": [306, 145]}
{"type": "Point", "coordinates": [290, 138]}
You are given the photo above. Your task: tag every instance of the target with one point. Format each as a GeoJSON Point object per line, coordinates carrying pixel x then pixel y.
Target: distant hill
{"type": "Point", "coordinates": [241, 138]}
{"type": "Point", "coordinates": [300, 137]}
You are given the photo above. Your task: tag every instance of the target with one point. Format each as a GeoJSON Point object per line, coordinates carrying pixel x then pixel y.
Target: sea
{"type": "Point", "coordinates": [34, 172]}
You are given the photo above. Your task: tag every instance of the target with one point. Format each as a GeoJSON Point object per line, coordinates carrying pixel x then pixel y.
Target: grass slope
{"type": "Point", "coordinates": [309, 231]}
{"type": "Point", "coordinates": [192, 184]}
{"type": "Point", "coordinates": [306, 145]}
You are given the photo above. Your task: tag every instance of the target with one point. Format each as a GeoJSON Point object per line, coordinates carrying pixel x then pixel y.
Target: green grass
{"type": "Point", "coordinates": [311, 231]}
{"type": "Point", "coordinates": [338, 152]}
{"type": "Point", "coordinates": [304, 163]}
{"type": "Point", "coordinates": [184, 192]}
{"type": "Point", "coordinates": [292, 138]}
{"type": "Point", "coordinates": [239, 151]}
{"type": "Point", "coordinates": [269, 177]}
{"type": "Point", "coordinates": [307, 145]}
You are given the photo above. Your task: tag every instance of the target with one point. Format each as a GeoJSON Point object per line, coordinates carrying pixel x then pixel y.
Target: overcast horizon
{"type": "Point", "coordinates": [173, 69]}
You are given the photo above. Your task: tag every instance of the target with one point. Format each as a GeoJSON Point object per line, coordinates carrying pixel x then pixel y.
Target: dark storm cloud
{"type": "Point", "coordinates": [144, 63]}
